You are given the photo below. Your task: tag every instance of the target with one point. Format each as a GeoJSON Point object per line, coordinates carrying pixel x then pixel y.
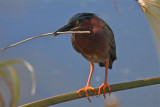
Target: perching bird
{"type": "Point", "coordinates": [97, 47]}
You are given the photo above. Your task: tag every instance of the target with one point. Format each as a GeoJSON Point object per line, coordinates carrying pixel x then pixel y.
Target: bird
{"type": "Point", "coordinates": [98, 46]}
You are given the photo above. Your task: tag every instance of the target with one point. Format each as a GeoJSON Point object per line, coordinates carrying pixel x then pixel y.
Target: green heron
{"type": "Point", "coordinates": [98, 46]}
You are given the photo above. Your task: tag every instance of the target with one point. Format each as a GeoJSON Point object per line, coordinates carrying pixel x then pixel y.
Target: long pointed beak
{"type": "Point", "coordinates": [65, 28]}
{"type": "Point", "coordinates": [68, 29]}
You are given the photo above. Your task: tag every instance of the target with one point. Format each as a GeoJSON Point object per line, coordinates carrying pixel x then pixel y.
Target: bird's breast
{"type": "Point", "coordinates": [94, 46]}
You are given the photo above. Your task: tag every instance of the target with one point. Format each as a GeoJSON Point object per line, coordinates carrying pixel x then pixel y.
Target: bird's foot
{"type": "Point", "coordinates": [104, 86]}
{"type": "Point", "coordinates": [86, 90]}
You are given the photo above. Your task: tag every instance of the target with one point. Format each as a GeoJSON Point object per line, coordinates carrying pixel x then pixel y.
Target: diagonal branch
{"type": "Point", "coordinates": [73, 95]}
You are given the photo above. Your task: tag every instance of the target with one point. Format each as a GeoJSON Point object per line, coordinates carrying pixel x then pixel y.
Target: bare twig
{"type": "Point", "coordinates": [27, 40]}
{"type": "Point", "coordinates": [47, 34]}
{"type": "Point", "coordinates": [73, 32]}
{"type": "Point", "coordinates": [73, 95]}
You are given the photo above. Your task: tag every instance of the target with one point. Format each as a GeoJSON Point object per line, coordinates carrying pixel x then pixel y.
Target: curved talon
{"type": "Point", "coordinates": [86, 90]}
{"type": "Point", "coordinates": [104, 86]}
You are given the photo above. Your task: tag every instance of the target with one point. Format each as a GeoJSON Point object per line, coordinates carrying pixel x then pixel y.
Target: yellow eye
{"type": "Point", "coordinates": [76, 22]}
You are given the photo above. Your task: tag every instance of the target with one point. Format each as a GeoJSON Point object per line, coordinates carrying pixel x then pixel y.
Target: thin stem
{"type": "Point", "coordinates": [26, 40]}
{"type": "Point", "coordinates": [73, 95]}
{"type": "Point", "coordinates": [72, 32]}
{"type": "Point", "coordinates": [47, 34]}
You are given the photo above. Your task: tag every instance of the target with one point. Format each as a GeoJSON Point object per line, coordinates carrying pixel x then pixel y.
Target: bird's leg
{"type": "Point", "coordinates": [105, 84]}
{"type": "Point", "coordinates": [88, 83]}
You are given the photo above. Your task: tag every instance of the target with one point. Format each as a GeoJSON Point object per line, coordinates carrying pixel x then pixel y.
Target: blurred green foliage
{"type": "Point", "coordinates": [9, 75]}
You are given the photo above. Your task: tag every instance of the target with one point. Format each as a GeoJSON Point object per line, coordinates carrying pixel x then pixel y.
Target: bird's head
{"type": "Point", "coordinates": [76, 22]}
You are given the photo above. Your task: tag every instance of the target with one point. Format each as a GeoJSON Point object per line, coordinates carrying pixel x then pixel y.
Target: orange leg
{"type": "Point", "coordinates": [88, 83]}
{"type": "Point", "coordinates": [105, 84]}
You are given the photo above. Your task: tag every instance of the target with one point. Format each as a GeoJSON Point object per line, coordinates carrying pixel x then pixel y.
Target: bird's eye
{"type": "Point", "coordinates": [76, 22]}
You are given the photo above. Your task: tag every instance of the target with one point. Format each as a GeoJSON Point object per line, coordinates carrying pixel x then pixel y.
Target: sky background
{"type": "Point", "coordinates": [59, 68]}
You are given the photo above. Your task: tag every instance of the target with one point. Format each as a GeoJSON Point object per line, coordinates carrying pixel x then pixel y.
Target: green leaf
{"type": "Point", "coordinates": [4, 73]}
{"type": "Point", "coordinates": [16, 90]}
{"type": "Point", "coordinates": [6, 77]}
{"type": "Point", "coordinates": [10, 62]}
{"type": "Point", "coordinates": [29, 67]}
{"type": "Point", "coordinates": [11, 79]}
